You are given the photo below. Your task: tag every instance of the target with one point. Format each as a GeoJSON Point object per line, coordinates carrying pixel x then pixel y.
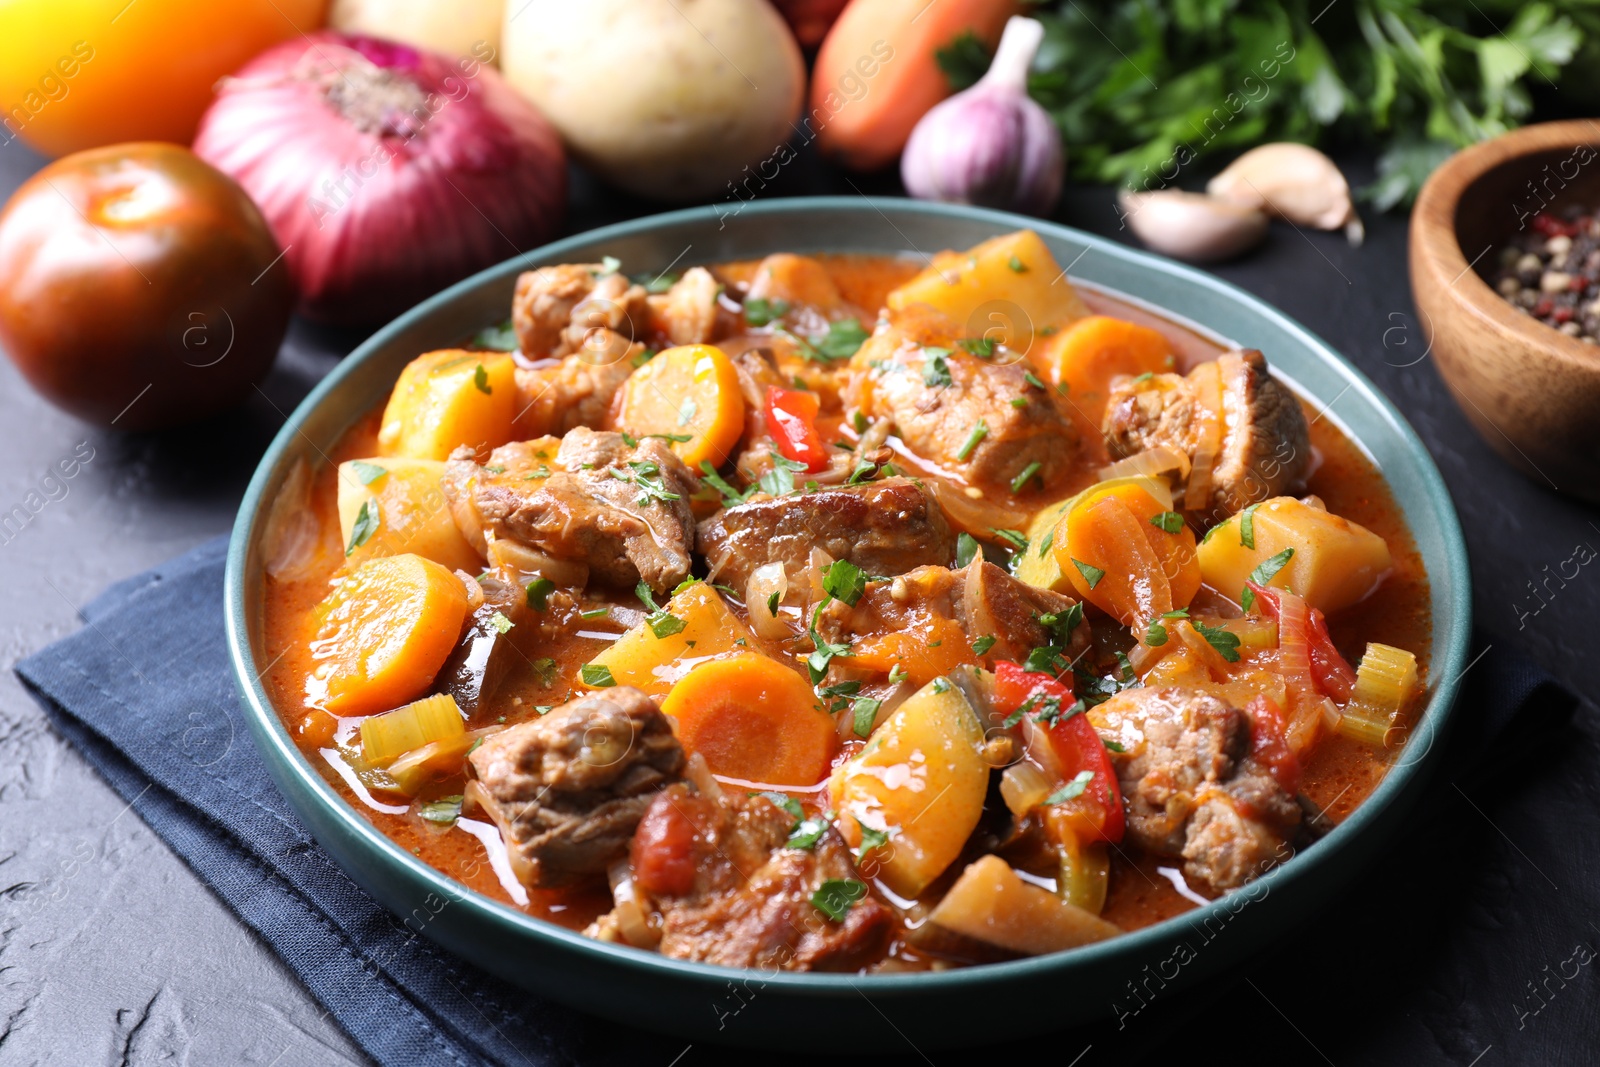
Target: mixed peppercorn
{"type": "Point", "coordinates": [1551, 271]}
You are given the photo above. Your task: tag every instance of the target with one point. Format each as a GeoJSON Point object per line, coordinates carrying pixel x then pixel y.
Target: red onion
{"type": "Point", "coordinates": [385, 172]}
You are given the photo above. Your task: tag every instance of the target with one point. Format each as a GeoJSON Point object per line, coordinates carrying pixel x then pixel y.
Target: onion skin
{"type": "Point", "coordinates": [373, 220]}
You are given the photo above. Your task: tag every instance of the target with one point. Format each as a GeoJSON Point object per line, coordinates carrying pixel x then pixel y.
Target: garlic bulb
{"type": "Point", "coordinates": [1291, 181]}
{"type": "Point", "coordinates": [990, 144]}
{"type": "Point", "coordinates": [1191, 226]}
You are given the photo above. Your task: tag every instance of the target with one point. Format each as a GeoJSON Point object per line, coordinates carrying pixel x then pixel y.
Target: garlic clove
{"type": "Point", "coordinates": [990, 144]}
{"type": "Point", "coordinates": [1294, 182]}
{"type": "Point", "coordinates": [1191, 226]}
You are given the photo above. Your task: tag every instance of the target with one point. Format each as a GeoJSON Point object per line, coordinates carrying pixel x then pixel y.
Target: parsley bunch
{"type": "Point", "coordinates": [1140, 89]}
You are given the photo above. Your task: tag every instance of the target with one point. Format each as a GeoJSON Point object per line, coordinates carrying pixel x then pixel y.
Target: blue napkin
{"type": "Point", "coordinates": [146, 693]}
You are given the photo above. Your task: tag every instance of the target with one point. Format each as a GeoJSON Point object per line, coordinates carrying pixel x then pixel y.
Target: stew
{"type": "Point", "coordinates": [809, 613]}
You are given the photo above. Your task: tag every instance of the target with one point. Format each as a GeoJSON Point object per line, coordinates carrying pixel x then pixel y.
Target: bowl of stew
{"type": "Point", "coordinates": [889, 610]}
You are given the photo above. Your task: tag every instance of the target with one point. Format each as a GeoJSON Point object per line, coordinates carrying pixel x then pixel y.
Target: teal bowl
{"type": "Point", "coordinates": [863, 1013]}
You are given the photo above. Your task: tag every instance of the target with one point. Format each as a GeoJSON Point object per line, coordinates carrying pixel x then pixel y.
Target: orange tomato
{"type": "Point", "coordinates": [78, 74]}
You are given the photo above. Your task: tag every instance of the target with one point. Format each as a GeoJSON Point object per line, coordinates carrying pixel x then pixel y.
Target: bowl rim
{"type": "Point", "coordinates": [1445, 668]}
{"type": "Point", "coordinates": [1437, 246]}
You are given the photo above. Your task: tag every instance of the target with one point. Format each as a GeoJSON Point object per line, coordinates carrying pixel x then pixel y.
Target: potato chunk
{"type": "Point", "coordinates": [921, 779]}
{"type": "Point", "coordinates": [1335, 563]}
{"type": "Point", "coordinates": [1014, 272]}
{"type": "Point", "coordinates": [990, 906]}
{"type": "Point", "coordinates": [405, 511]}
{"type": "Point", "coordinates": [449, 398]}
{"type": "Point", "coordinates": [653, 663]}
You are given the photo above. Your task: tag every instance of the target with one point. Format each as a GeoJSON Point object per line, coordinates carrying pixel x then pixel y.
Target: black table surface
{"type": "Point", "coordinates": [1471, 944]}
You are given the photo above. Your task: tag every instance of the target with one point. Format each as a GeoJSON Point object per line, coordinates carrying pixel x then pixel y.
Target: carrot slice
{"type": "Point", "coordinates": [1092, 351]}
{"type": "Point", "coordinates": [1108, 559]}
{"type": "Point", "coordinates": [754, 719]}
{"type": "Point", "coordinates": [925, 650]}
{"type": "Point", "coordinates": [385, 632]}
{"type": "Point", "coordinates": [691, 391]}
{"type": "Point", "coordinates": [1174, 548]}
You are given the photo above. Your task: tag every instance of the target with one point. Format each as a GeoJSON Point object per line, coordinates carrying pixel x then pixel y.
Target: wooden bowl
{"type": "Point", "coordinates": [1531, 391]}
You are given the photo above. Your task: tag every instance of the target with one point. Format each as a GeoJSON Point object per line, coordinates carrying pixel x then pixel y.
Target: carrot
{"type": "Point", "coordinates": [692, 392]}
{"type": "Point", "coordinates": [1110, 562]}
{"type": "Point", "coordinates": [1174, 548]}
{"type": "Point", "coordinates": [754, 719]}
{"type": "Point", "coordinates": [385, 631]}
{"type": "Point", "coordinates": [876, 73]}
{"type": "Point", "coordinates": [449, 398]}
{"type": "Point", "coordinates": [1088, 354]}
{"type": "Point", "coordinates": [925, 651]}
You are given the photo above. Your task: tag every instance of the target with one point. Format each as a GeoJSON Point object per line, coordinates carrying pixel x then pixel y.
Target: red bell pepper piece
{"type": "Point", "coordinates": [1076, 745]}
{"type": "Point", "coordinates": [792, 420]}
{"type": "Point", "coordinates": [1331, 671]}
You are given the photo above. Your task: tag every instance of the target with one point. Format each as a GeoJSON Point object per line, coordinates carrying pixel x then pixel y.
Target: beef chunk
{"type": "Point", "coordinates": [937, 394]}
{"type": "Point", "coordinates": [577, 390]}
{"type": "Point", "coordinates": [487, 650]}
{"type": "Point", "coordinates": [688, 312]}
{"type": "Point", "coordinates": [980, 598]}
{"type": "Point", "coordinates": [554, 308]}
{"type": "Point", "coordinates": [730, 893]}
{"type": "Point", "coordinates": [884, 527]}
{"type": "Point", "coordinates": [1191, 789]}
{"type": "Point", "coordinates": [623, 512]}
{"type": "Point", "coordinates": [1266, 445]}
{"type": "Point", "coordinates": [568, 790]}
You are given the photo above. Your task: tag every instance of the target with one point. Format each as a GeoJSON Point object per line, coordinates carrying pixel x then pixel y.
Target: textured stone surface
{"type": "Point", "coordinates": [1462, 945]}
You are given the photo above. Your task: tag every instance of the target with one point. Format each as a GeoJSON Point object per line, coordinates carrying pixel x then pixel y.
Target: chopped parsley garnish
{"type": "Point", "coordinates": [731, 497]}
{"type": "Point", "coordinates": [1156, 636]}
{"type": "Point", "coordinates": [1114, 746]}
{"type": "Point", "coordinates": [837, 896]}
{"type": "Point", "coordinates": [844, 581]}
{"type": "Point", "coordinates": [1017, 265]}
{"type": "Point", "coordinates": [1045, 659]}
{"type": "Point", "coordinates": [1247, 526]}
{"type": "Point", "coordinates": [494, 468]}
{"type": "Point", "coordinates": [598, 675]}
{"type": "Point", "coordinates": [1022, 479]}
{"type": "Point", "coordinates": [936, 368]}
{"type": "Point", "coordinates": [1268, 569]}
{"type": "Point", "coordinates": [594, 613]}
{"type": "Point", "coordinates": [662, 623]}
{"type": "Point", "coordinates": [1019, 401]}
{"type": "Point", "coordinates": [773, 602]}
{"type": "Point", "coordinates": [982, 645]}
{"type": "Point", "coordinates": [759, 312]}
{"type": "Point", "coordinates": [365, 526]}
{"type": "Point", "coordinates": [678, 438]}
{"type": "Point", "coordinates": [1061, 624]}
{"type": "Point", "coordinates": [1074, 788]}
{"type": "Point", "coordinates": [642, 358]}
{"type": "Point", "coordinates": [864, 712]}
{"type": "Point", "coordinates": [480, 378]}
{"type": "Point", "coordinates": [870, 839]}
{"type": "Point", "coordinates": [500, 623]}
{"type": "Point", "coordinates": [1022, 709]}
{"type": "Point", "coordinates": [859, 422]}
{"type": "Point", "coordinates": [444, 810]}
{"type": "Point", "coordinates": [539, 591]}
{"type": "Point", "coordinates": [979, 432]}
{"type": "Point", "coordinates": [1145, 377]}
{"type": "Point", "coordinates": [1044, 545]}
{"type": "Point", "coordinates": [864, 471]}
{"type": "Point", "coordinates": [1033, 380]}
{"type": "Point", "coordinates": [658, 284]}
{"type": "Point", "coordinates": [940, 685]}
{"type": "Point", "coordinates": [545, 668]}
{"type": "Point", "coordinates": [966, 549]}
{"type": "Point", "coordinates": [1092, 575]}
{"type": "Point", "coordinates": [779, 481]}
{"type": "Point", "coordinates": [645, 474]}
{"type": "Point", "coordinates": [608, 265]}
{"type": "Point", "coordinates": [1247, 599]}
{"type": "Point", "coordinates": [1181, 613]}
{"type": "Point", "coordinates": [501, 338]}
{"type": "Point", "coordinates": [1168, 521]}
{"type": "Point", "coordinates": [1015, 538]}
{"type": "Point", "coordinates": [786, 802]}
{"type": "Point", "coordinates": [809, 831]}
{"type": "Point", "coordinates": [1226, 642]}
{"type": "Point", "coordinates": [843, 339]}
{"type": "Point", "coordinates": [982, 347]}
{"type": "Point", "coordinates": [367, 473]}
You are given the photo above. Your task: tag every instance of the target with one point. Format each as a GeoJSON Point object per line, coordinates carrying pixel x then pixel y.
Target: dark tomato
{"type": "Point", "coordinates": [139, 286]}
{"type": "Point", "coordinates": [663, 851]}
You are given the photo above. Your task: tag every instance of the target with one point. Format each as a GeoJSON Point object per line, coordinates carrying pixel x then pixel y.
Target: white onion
{"type": "Point", "coordinates": [767, 579]}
